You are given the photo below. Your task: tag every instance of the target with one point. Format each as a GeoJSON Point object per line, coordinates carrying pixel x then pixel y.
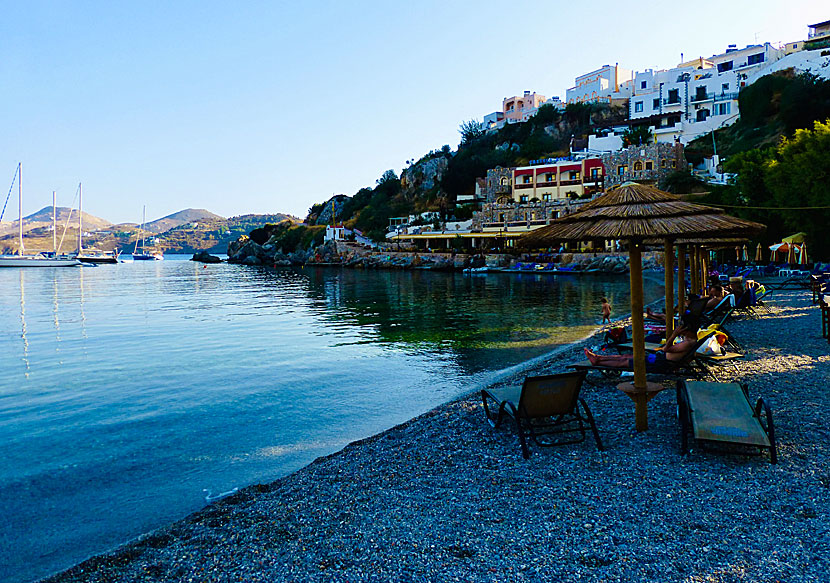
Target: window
{"type": "Point", "coordinates": [656, 104]}
{"type": "Point", "coordinates": [700, 93]}
{"type": "Point", "coordinates": [722, 108]}
{"type": "Point", "coordinates": [702, 114]}
{"type": "Point", "coordinates": [546, 197]}
{"type": "Point", "coordinates": [523, 198]}
{"type": "Point", "coordinates": [755, 59]}
{"type": "Point", "coordinates": [574, 175]}
{"type": "Point", "coordinates": [725, 66]}
{"type": "Point", "coordinates": [724, 88]}
{"type": "Point", "coordinates": [595, 173]}
{"type": "Point", "coordinates": [548, 177]}
{"type": "Point", "coordinates": [643, 84]}
{"type": "Point", "coordinates": [638, 107]}
{"type": "Point", "coordinates": [501, 217]}
{"type": "Point", "coordinates": [674, 163]}
{"type": "Point", "coordinates": [622, 170]}
{"type": "Point", "coordinates": [638, 166]}
{"type": "Point", "coordinates": [649, 165]}
{"type": "Point", "coordinates": [503, 181]}
{"type": "Point", "coordinates": [674, 96]}
{"type": "Point", "coordinates": [525, 179]}
{"type": "Point", "coordinates": [662, 162]}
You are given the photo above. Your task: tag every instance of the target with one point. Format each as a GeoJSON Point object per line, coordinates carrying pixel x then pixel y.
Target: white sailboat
{"type": "Point", "coordinates": [143, 254]}
{"type": "Point", "coordinates": [41, 259]}
{"type": "Point", "coordinates": [90, 255]}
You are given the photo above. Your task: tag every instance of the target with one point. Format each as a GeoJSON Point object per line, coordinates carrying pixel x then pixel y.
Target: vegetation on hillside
{"type": "Point", "coordinates": [784, 187]}
{"type": "Point", "coordinates": [547, 134]}
{"type": "Point", "coordinates": [773, 107]}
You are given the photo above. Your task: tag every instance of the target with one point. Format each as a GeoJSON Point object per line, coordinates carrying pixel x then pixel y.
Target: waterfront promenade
{"type": "Point", "coordinates": [444, 497]}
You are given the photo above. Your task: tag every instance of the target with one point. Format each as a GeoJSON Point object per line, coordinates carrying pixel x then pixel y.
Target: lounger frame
{"type": "Point", "coordinates": [686, 419]}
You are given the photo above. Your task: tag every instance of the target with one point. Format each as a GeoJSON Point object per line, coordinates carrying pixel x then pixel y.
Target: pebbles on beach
{"type": "Point", "coordinates": [444, 497]}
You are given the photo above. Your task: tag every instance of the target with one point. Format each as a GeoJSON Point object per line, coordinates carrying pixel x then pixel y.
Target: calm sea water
{"type": "Point", "coordinates": [130, 392]}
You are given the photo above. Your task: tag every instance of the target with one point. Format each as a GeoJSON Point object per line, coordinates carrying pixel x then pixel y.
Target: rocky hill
{"type": "Point", "coordinates": [43, 219]}
{"type": "Point", "coordinates": [164, 224]}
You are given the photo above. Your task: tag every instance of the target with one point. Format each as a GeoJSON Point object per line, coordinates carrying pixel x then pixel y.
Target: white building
{"type": "Point", "coordinates": [697, 96]}
{"type": "Point", "coordinates": [608, 84]}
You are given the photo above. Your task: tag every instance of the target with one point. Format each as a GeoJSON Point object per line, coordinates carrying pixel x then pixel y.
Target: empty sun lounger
{"type": "Point", "coordinates": [720, 414]}
{"type": "Point", "coordinates": [545, 409]}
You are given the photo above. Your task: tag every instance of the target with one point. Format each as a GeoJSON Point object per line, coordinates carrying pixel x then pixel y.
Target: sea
{"type": "Point", "coordinates": [134, 394]}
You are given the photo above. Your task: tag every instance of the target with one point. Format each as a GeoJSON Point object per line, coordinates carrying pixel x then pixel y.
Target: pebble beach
{"type": "Point", "coordinates": [445, 497]}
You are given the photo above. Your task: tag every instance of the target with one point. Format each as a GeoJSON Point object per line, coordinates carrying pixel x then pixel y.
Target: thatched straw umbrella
{"type": "Point", "coordinates": [802, 257]}
{"type": "Point", "coordinates": [758, 257]}
{"type": "Point", "coordinates": [636, 213]}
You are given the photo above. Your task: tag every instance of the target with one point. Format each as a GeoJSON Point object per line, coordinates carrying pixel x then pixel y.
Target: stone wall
{"type": "Point", "coordinates": [663, 158]}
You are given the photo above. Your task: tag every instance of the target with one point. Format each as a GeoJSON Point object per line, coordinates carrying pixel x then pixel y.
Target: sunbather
{"type": "Point", "coordinates": [668, 352]}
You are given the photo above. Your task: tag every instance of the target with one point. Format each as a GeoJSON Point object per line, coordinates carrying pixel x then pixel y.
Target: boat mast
{"type": "Point", "coordinates": [20, 206]}
{"type": "Point", "coordinates": [80, 219]}
{"type": "Point", "coordinates": [54, 224]}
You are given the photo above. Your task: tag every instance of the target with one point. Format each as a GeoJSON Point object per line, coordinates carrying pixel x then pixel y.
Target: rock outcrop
{"type": "Point", "coordinates": [205, 257]}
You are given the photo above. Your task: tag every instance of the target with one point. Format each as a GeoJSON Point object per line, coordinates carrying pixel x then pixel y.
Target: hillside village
{"type": "Point", "coordinates": [537, 158]}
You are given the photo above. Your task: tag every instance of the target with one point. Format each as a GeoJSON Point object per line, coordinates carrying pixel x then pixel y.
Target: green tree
{"type": "Point", "coordinates": [470, 131]}
{"type": "Point", "coordinates": [799, 175]}
{"type": "Point", "coordinates": [637, 135]}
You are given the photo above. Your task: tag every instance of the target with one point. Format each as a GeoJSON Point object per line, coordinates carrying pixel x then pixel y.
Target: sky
{"type": "Point", "coordinates": [264, 107]}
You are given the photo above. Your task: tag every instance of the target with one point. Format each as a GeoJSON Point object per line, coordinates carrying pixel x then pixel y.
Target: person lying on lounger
{"type": "Point", "coordinates": [670, 351]}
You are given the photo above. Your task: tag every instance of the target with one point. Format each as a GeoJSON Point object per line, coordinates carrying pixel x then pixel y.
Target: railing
{"type": "Point", "coordinates": [669, 101]}
{"type": "Point", "coordinates": [521, 186]}
{"type": "Point", "coordinates": [726, 96]}
{"type": "Point", "coordinates": [701, 97]}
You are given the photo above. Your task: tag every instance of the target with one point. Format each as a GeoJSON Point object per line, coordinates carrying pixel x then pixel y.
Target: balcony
{"type": "Point", "coordinates": [522, 186]}
{"type": "Point", "coordinates": [570, 182]}
{"type": "Point", "coordinates": [698, 97]}
{"type": "Point", "coordinates": [726, 96]}
{"type": "Point", "coordinates": [670, 101]}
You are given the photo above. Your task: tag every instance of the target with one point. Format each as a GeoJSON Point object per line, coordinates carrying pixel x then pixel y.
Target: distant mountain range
{"type": "Point", "coordinates": [186, 231]}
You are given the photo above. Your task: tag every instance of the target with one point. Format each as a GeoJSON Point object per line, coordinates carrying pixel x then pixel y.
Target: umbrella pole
{"type": "Point", "coordinates": [681, 281]}
{"type": "Point", "coordinates": [693, 268]}
{"type": "Point", "coordinates": [640, 395]}
{"type": "Point", "coordinates": [668, 263]}
{"type": "Point", "coordinates": [704, 268]}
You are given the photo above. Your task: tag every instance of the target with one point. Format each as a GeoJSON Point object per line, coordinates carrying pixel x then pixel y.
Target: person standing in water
{"type": "Point", "coordinates": [606, 311]}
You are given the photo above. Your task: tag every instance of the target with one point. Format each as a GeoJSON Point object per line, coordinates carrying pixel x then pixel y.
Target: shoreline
{"type": "Point", "coordinates": [444, 496]}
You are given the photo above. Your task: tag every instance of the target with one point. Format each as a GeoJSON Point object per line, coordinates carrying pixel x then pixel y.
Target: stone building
{"type": "Point", "coordinates": [646, 163]}
{"type": "Point", "coordinates": [498, 184]}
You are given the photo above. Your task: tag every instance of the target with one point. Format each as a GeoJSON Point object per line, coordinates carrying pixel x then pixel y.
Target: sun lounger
{"type": "Point", "coordinates": [545, 409]}
{"type": "Point", "coordinates": [688, 366]}
{"type": "Point", "coordinates": [720, 414]}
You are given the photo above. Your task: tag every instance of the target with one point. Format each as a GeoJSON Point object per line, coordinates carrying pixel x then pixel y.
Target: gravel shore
{"type": "Point", "coordinates": [444, 497]}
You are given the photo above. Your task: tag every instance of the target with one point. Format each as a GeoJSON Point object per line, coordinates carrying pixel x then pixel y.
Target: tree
{"type": "Point", "coordinates": [636, 136]}
{"type": "Point", "coordinates": [388, 176]}
{"type": "Point", "coordinates": [798, 176]}
{"type": "Point", "coordinates": [470, 131]}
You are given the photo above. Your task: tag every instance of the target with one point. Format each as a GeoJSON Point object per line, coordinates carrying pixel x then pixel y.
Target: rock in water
{"type": "Point", "coordinates": [205, 257]}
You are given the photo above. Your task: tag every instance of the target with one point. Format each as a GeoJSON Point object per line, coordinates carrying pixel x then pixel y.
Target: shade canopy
{"type": "Point", "coordinates": [797, 238]}
{"type": "Point", "coordinates": [639, 212]}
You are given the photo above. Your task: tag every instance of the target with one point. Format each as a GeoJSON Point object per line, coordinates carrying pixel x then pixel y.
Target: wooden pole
{"type": "Point", "coordinates": [694, 271]}
{"type": "Point", "coordinates": [704, 268]}
{"type": "Point", "coordinates": [668, 263]}
{"type": "Point", "coordinates": [638, 336]}
{"type": "Point", "coordinates": [681, 279]}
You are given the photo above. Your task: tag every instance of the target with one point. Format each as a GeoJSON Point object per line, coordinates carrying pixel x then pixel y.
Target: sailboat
{"type": "Point", "coordinates": [144, 254]}
{"type": "Point", "coordinates": [42, 259]}
{"type": "Point", "coordinates": [90, 255]}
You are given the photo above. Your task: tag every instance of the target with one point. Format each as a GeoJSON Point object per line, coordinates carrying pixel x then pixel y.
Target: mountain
{"type": "Point", "coordinates": [181, 218]}
{"type": "Point", "coordinates": [43, 218]}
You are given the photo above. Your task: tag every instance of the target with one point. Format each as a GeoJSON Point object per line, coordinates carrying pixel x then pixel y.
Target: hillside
{"type": "Point", "coordinates": [43, 218]}
{"type": "Point", "coordinates": [434, 182]}
{"type": "Point", "coordinates": [204, 231]}
{"type": "Point", "coordinates": [164, 224]}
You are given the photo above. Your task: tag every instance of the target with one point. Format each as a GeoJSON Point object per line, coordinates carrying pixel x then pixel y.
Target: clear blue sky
{"type": "Point", "coordinates": [256, 107]}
